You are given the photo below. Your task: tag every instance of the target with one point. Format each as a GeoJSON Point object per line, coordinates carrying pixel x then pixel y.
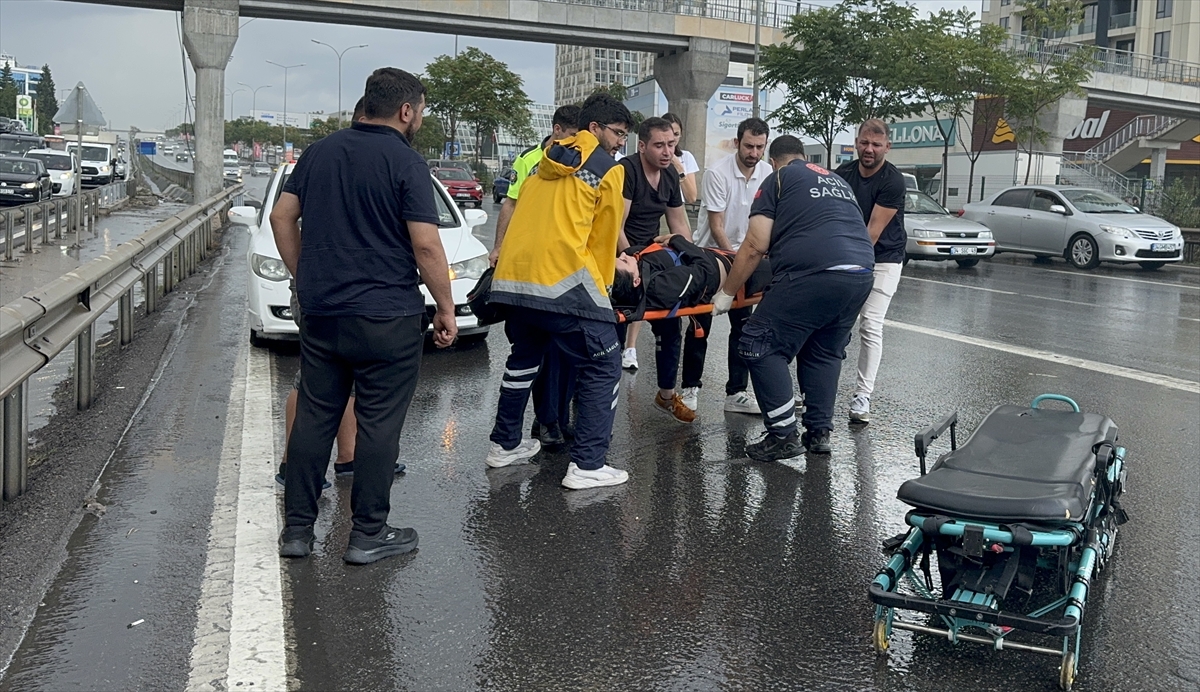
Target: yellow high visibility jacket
{"type": "Point", "coordinates": [560, 250]}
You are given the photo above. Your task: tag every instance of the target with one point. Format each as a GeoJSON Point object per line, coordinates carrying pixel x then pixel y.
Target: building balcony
{"type": "Point", "coordinates": [1122, 21]}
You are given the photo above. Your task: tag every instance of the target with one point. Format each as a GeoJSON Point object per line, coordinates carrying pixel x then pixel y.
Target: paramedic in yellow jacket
{"type": "Point", "coordinates": [554, 276]}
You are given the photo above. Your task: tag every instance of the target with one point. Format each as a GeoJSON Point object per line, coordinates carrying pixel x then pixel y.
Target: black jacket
{"type": "Point", "coordinates": [688, 275]}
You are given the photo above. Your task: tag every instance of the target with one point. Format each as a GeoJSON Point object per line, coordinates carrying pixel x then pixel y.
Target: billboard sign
{"type": "Point", "coordinates": [25, 110]}
{"type": "Point", "coordinates": [726, 110]}
{"type": "Point", "coordinates": [921, 133]}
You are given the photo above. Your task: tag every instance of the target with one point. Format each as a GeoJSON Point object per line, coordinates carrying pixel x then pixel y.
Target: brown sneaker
{"type": "Point", "coordinates": [675, 407]}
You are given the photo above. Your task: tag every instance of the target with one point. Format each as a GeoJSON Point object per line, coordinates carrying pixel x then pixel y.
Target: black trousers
{"type": "Point", "coordinates": [381, 358]}
{"type": "Point", "coordinates": [667, 339]}
{"type": "Point", "coordinates": [695, 349]}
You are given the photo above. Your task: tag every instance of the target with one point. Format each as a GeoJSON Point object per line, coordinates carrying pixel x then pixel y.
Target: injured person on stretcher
{"type": "Point", "coordinates": [672, 275]}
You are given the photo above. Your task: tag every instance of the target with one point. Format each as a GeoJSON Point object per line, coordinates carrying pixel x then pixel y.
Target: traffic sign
{"type": "Point", "coordinates": [452, 150]}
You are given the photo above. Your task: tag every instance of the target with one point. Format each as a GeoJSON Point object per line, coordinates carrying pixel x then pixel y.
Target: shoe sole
{"type": "Point", "coordinates": [859, 419]}
{"type": "Point", "coordinates": [296, 548]}
{"type": "Point", "coordinates": [585, 483]}
{"type": "Point", "coordinates": [672, 415]}
{"type": "Point", "coordinates": [739, 409]}
{"type": "Point", "coordinates": [501, 463]}
{"type": "Point", "coordinates": [358, 556]}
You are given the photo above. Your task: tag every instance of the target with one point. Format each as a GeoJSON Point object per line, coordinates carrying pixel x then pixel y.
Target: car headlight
{"type": "Point", "coordinates": [469, 269]}
{"type": "Point", "coordinates": [985, 234]}
{"type": "Point", "coordinates": [269, 268]}
{"type": "Point", "coordinates": [928, 234]}
{"type": "Point", "coordinates": [64, 176]}
{"type": "Point", "coordinates": [1119, 231]}
{"type": "Point", "coordinates": [104, 169]}
{"type": "Point", "coordinates": [1177, 234]}
{"type": "Point", "coordinates": [479, 188]}
{"type": "Point", "coordinates": [29, 186]}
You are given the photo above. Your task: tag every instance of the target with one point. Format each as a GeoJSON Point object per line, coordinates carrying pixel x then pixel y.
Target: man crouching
{"type": "Point", "coordinates": [554, 273]}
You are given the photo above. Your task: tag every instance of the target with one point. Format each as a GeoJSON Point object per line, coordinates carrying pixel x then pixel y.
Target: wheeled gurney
{"type": "Point", "coordinates": [1020, 520]}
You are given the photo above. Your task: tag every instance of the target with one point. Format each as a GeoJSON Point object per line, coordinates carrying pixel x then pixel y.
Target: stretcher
{"type": "Point", "coordinates": [1020, 520]}
{"type": "Point", "coordinates": [741, 300]}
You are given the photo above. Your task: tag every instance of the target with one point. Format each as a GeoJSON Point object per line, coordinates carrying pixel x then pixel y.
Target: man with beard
{"type": "Point", "coordinates": [729, 189]}
{"type": "Point", "coordinates": [370, 222]}
{"type": "Point", "coordinates": [880, 191]}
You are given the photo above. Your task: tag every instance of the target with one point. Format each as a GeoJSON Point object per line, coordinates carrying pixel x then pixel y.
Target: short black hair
{"type": "Point", "coordinates": [603, 109]}
{"type": "Point", "coordinates": [566, 116]}
{"type": "Point", "coordinates": [786, 145]}
{"type": "Point", "coordinates": [623, 292]}
{"type": "Point", "coordinates": [650, 125]}
{"type": "Point", "coordinates": [755, 126]}
{"type": "Point", "coordinates": [359, 109]}
{"type": "Point", "coordinates": [388, 89]}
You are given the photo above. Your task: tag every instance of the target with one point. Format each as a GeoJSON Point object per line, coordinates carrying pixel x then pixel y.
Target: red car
{"type": "Point", "coordinates": [462, 186]}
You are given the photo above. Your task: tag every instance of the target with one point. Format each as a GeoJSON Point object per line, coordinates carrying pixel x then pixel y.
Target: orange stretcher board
{"type": "Point", "coordinates": [739, 301]}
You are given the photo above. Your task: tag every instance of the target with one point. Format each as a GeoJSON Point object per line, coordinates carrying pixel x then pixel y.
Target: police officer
{"type": "Point", "coordinates": [821, 262]}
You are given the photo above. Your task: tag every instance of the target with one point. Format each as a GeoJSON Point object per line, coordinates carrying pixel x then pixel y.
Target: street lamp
{"type": "Point", "coordinates": [285, 77]}
{"type": "Point", "coordinates": [339, 57]}
{"type": "Point", "coordinates": [254, 95]}
{"type": "Point", "coordinates": [231, 94]}
{"type": "Point", "coordinates": [758, 8]}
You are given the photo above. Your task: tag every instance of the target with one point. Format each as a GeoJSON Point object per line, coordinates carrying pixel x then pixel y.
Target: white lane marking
{"type": "Point", "coordinates": [1095, 366]}
{"type": "Point", "coordinates": [1120, 278]}
{"type": "Point", "coordinates": [1036, 297]}
{"type": "Point", "coordinates": [210, 650]}
{"type": "Point", "coordinates": [256, 636]}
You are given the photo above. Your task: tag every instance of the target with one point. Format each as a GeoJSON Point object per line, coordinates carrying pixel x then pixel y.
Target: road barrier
{"type": "Point", "coordinates": [172, 175]}
{"type": "Point", "coordinates": [41, 324]}
{"type": "Point", "coordinates": [1191, 245]}
{"type": "Point", "coordinates": [60, 215]}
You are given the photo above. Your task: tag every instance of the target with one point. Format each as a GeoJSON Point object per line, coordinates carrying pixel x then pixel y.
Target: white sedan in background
{"type": "Point", "coordinates": [269, 303]}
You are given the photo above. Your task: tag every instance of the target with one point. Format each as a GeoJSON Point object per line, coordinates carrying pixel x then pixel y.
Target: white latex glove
{"type": "Point", "coordinates": [722, 302]}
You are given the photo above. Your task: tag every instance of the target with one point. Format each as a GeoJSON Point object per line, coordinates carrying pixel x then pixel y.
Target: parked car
{"type": "Point", "coordinates": [461, 185]}
{"type": "Point", "coordinates": [269, 298]}
{"type": "Point", "coordinates": [500, 184]}
{"type": "Point", "coordinates": [935, 234]}
{"type": "Point", "coordinates": [182, 156]}
{"type": "Point", "coordinates": [25, 180]}
{"type": "Point", "coordinates": [1083, 225]}
{"type": "Point", "coordinates": [450, 163]}
{"type": "Point", "coordinates": [260, 168]}
{"type": "Point", "coordinates": [61, 166]}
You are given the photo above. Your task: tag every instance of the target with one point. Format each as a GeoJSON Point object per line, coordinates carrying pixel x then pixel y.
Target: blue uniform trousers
{"type": "Point", "coordinates": [553, 390]}
{"type": "Point", "coordinates": [808, 318]}
{"type": "Point", "coordinates": [668, 341]}
{"type": "Point", "coordinates": [591, 349]}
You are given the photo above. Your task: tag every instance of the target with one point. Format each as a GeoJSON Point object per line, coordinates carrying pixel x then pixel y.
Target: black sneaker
{"type": "Point", "coordinates": [774, 448]}
{"type": "Point", "coordinates": [325, 484]}
{"type": "Point", "coordinates": [550, 435]}
{"type": "Point", "coordinates": [817, 443]}
{"type": "Point", "coordinates": [390, 541]}
{"type": "Point", "coordinates": [347, 469]}
{"type": "Point", "coordinates": [296, 541]}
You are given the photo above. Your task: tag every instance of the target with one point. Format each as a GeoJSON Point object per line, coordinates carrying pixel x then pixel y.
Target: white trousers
{"type": "Point", "coordinates": [870, 325]}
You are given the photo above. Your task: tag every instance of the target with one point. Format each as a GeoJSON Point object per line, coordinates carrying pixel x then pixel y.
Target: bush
{"type": "Point", "coordinates": [1180, 203]}
{"type": "Point", "coordinates": [482, 174]}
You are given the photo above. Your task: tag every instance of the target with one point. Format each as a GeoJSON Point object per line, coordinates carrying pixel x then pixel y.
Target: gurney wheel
{"type": "Point", "coordinates": [879, 636]}
{"type": "Point", "coordinates": [1066, 674]}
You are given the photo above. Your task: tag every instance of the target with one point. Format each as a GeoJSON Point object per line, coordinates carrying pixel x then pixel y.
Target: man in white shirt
{"type": "Point", "coordinates": [729, 189]}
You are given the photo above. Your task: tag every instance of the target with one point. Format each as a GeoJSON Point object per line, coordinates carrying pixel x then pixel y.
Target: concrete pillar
{"type": "Point", "coordinates": [1059, 120]}
{"type": "Point", "coordinates": [689, 79]}
{"type": "Point", "coordinates": [210, 30]}
{"type": "Point", "coordinates": [1158, 163]}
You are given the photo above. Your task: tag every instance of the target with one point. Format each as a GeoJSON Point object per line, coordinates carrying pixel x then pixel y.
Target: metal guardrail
{"type": "Point", "coordinates": [41, 324]}
{"type": "Point", "coordinates": [1109, 60]}
{"type": "Point", "coordinates": [775, 13]}
{"type": "Point", "coordinates": [57, 216]}
{"type": "Point", "coordinates": [1141, 126]}
{"type": "Point", "coordinates": [1191, 245]}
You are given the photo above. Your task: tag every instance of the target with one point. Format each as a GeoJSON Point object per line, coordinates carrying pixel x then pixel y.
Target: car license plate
{"type": "Point", "coordinates": [1163, 247]}
{"type": "Point", "coordinates": [463, 194]}
{"type": "Point", "coordinates": [962, 250]}
{"type": "Point", "coordinates": [6, 191]}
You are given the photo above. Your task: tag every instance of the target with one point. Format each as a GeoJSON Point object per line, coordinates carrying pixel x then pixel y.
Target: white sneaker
{"type": "Point", "coordinates": [629, 359]}
{"type": "Point", "coordinates": [860, 409]}
{"type": "Point", "coordinates": [498, 456]}
{"type": "Point", "coordinates": [742, 402]}
{"type": "Point", "coordinates": [690, 396]}
{"type": "Point", "coordinates": [578, 479]}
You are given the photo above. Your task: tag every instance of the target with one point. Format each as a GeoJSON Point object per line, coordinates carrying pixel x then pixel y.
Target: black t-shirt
{"type": "Point", "coordinates": [648, 204]}
{"type": "Point", "coordinates": [886, 188]}
{"type": "Point", "coordinates": [358, 187]}
{"type": "Point", "coordinates": [818, 225]}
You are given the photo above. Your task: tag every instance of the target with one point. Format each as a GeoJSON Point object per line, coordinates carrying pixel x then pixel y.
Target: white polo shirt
{"type": "Point", "coordinates": [727, 190]}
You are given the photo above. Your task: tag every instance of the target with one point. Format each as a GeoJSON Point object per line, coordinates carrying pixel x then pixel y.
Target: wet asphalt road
{"type": "Point", "coordinates": [705, 571]}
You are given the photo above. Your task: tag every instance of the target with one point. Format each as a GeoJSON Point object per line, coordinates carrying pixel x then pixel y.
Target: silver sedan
{"type": "Point", "coordinates": [933, 234]}
{"type": "Point", "coordinates": [1082, 225]}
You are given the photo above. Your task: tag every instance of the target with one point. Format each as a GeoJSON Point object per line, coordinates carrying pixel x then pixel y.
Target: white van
{"type": "Point", "coordinates": [229, 157]}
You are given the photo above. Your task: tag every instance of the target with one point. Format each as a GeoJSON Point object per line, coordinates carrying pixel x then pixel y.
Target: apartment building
{"type": "Point", "coordinates": [578, 70]}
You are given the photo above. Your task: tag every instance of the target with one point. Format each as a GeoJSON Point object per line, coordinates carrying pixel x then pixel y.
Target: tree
{"type": "Point", "coordinates": [948, 61]}
{"type": "Point", "coordinates": [836, 68]}
{"type": "Point", "coordinates": [430, 140]}
{"type": "Point", "coordinates": [45, 104]}
{"type": "Point", "coordinates": [620, 92]}
{"type": "Point", "coordinates": [8, 93]}
{"type": "Point", "coordinates": [321, 128]}
{"type": "Point", "coordinates": [182, 129]}
{"type": "Point", "coordinates": [1051, 68]}
{"type": "Point", "coordinates": [475, 88]}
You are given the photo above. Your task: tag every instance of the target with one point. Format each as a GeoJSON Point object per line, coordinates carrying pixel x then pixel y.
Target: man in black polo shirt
{"type": "Point", "coordinates": [652, 191]}
{"type": "Point", "coordinates": [821, 259]}
{"type": "Point", "coordinates": [880, 192]}
{"type": "Point", "coordinates": [369, 223]}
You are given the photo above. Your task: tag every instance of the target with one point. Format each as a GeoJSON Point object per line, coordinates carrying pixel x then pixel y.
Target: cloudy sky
{"type": "Point", "coordinates": [132, 63]}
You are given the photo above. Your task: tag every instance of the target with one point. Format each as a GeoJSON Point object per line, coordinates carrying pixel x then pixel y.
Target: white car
{"type": "Point", "coordinates": [269, 304]}
{"type": "Point", "coordinates": [61, 166]}
{"type": "Point", "coordinates": [933, 234]}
